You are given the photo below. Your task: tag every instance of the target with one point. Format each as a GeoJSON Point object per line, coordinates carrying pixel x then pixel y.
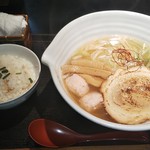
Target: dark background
{"type": "Point", "coordinates": [46, 18]}
{"type": "Point", "coordinates": [49, 16]}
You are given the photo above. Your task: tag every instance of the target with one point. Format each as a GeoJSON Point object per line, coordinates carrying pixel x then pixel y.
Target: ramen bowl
{"type": "Point", "coordinates": [87, 28]}
{"type": "Point", "coordinates": [19, 74]}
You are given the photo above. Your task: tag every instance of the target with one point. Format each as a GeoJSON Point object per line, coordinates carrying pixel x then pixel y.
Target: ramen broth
{"type": "Point", "coordinates": [113, 52]}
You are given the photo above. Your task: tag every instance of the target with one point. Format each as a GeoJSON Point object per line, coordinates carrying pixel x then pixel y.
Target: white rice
{"type": "Point", "coordinates": [21, 78]}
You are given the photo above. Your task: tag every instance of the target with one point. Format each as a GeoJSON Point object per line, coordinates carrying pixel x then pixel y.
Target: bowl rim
{"type": "Point", "coordinates": [105, 12]}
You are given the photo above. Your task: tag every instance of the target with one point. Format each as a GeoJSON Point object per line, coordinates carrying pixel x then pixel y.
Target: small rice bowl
{"type": "Point", "coordinates": [20, 70]}
{"type": "Point", "coordinates": [17, 75]}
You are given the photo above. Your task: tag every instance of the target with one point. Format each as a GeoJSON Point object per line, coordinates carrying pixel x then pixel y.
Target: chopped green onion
{"type": "Point", "coordinates": [1, 75]}
{"type": "Point", "coordinates": [4, 71]}
{"type": "Point", "coordinates": [31, 81]}
{"type": "Point", "coordinates": [6, 76]}
{"type": "Point", "coordinates": [2, 68]}
{"type": "Point", "coordinates": [18, 73]}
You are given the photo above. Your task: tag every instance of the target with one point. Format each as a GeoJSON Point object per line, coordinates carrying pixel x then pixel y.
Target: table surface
{"type": "Point", "coordinates": [118, 147]}
{"type": "Point", "coordinates": [47, 103]}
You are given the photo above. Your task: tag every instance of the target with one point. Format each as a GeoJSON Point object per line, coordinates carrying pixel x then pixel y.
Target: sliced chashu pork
{"type": "Point", "coordinates": [127, 95]}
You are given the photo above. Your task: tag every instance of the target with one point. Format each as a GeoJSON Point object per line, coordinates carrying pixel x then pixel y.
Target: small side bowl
{"type": "Point", "coordinates": [21, 51]}
{"type": "Point", "coordinates": [84, 29]}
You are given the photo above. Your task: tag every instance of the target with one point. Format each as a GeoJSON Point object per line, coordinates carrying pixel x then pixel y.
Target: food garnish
{"type": "Point", "coordinates": [18, 73]}
{"type": "Point", "coordinates": [31, 81]}
{"type": "Point", "coordinates": [6, 76]}
{"type": "Point", "coordinates": [124, 58]}
{"type": "Point", "coordinates": [4, 73]}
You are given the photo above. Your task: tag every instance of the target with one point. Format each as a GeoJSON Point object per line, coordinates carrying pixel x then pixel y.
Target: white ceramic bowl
{"type": "Point", "coordinates": [23, 52]}
{"type": "Point", "coordinates": [86, 28]}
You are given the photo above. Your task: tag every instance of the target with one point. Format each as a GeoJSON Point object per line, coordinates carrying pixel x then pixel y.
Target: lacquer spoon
{"type": "Point", "coordinates": [52, 134]}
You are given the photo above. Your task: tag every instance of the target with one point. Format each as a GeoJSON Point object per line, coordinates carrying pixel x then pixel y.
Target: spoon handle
{"type": "Point", "coordinates": [141, 137]}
